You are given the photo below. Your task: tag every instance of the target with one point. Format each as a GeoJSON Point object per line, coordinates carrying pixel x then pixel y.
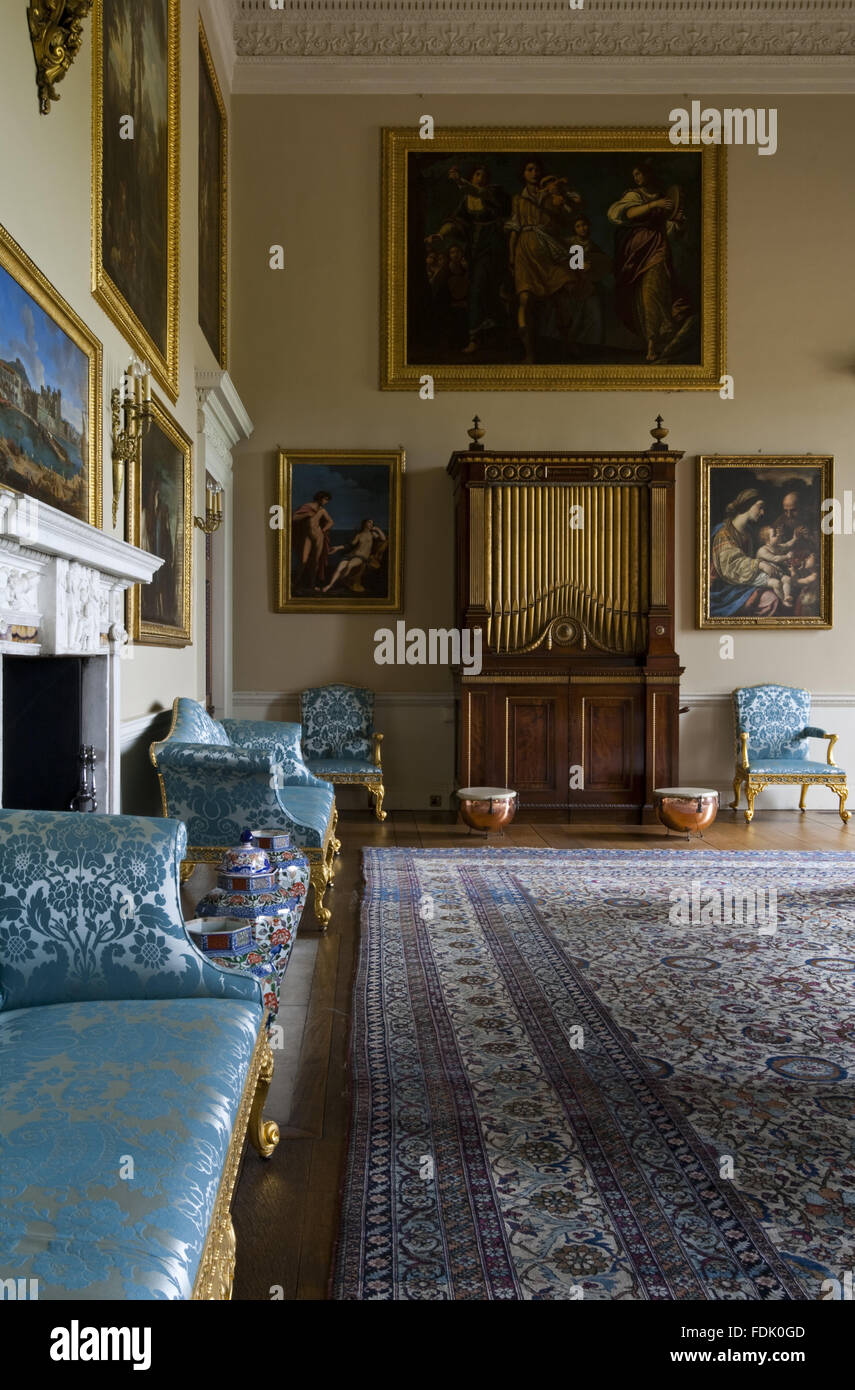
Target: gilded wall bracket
{"type": "Point", "coordinates": [56, 32]}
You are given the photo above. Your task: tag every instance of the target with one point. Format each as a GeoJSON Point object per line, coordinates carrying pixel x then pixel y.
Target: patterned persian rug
{"type": "Point", "coordinates": [590, 1075]}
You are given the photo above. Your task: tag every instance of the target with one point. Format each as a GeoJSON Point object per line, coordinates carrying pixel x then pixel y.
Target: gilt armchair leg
{"type": "Point", "coordinates": [737, 789]}
{"type": "Point", "coordinates": [263, 1134]}
{"type": "Point", "coordinates": [377, 792]}
{"type": "Point", "coordinates": [802, 806]}
{"type": "Point", "coordinates": [319, 875]}
{"type": "Point", "coordinates": [186, 869]}
{"type": "Point", "coordinates": [750, 794]}
{"type": "Point", "coordinates": [845, 815]}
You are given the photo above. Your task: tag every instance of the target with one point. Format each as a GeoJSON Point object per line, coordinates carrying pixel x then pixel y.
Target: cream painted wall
{"type": "Point", "coordinates": [305, 360]}
{"type": "Point", "coordinates": [45, 205]}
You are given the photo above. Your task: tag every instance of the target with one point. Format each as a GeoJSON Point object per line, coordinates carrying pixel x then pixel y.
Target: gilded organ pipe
{"type": "Point", "coordinates": [539, 567]}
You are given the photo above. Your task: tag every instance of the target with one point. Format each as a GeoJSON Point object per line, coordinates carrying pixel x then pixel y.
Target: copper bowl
{"type": "Point", "coordinates": [487, 808]}
{"type": "Point", "coordinates": [686, 809]}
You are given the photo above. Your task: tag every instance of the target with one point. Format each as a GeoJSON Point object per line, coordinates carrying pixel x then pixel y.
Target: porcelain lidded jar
{"type": "Point", "coordinates": [247, 868]}
{"type": "Point", "coordinates": [290, 864]}
{"type": "Point", "coordinates": [248, 888]}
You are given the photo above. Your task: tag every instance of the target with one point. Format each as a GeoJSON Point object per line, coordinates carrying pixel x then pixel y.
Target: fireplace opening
{"type": "Point", "coordinates": [50, 708]}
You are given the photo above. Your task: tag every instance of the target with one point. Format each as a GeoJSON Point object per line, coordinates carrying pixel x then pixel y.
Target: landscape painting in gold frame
{"type": "Point", "coordinates": [339, 521]}
{"type": "Point", "coordinates": [160, 521]}
{"type": "Point", "coordinates": [135, 176]}
{"type": "Point", "coordinates": [50, 392]}
{"type": "Point", "coordinates": [552, 259]}
{"type": "Point", "coordinates": [764, 557]}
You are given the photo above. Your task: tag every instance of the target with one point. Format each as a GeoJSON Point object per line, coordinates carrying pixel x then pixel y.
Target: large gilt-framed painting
{"type": "Point", "coordinates": [50, 392]}
{"type": "Point", "coordinates": [764, 551]}
{"type": "Point", "coordinates": [160, 521]}
{"type": "Point", "coordinates": [551, 259]}
{"type": "Point", "coordinates": [213, 213]}
{"type": "Point", "coordinates": [135, 170]}
{"type": "Point", "coordinates": [340, 531]}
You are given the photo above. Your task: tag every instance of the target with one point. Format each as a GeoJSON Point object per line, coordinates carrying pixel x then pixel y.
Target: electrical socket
{"type": "Point", "coordinates": [436, 800]}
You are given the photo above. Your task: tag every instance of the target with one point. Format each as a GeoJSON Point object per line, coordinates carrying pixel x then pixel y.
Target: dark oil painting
{"type": "Point", "coordinates": [162, 523]}
{"type": "Point", "coordinates": [765, 554]}
{"type": "Point", "coordinates": [135, 187]}
{"type": "Point", "coordinates": [211, 208]}
{"type": "Point", "coordinates": [490, 246]}
{"type": "Point", "coordinates": [340, 519]}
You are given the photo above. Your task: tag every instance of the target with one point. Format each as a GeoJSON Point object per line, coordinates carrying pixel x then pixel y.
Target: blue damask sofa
{"type": "Point", "coordinates": [772, 727]}
{"type": "Point", "coordinates": [220, 778]}
{"type": "Point", "coordinates": [131, 1067]}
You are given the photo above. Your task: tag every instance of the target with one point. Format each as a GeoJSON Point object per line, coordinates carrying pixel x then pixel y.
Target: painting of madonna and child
{"type": "Point", "coordinates": [765, 555]}
{"type": "Point", "coordinates": [554, 265]}
{"type": "Point", "coordinates": [339, 526]}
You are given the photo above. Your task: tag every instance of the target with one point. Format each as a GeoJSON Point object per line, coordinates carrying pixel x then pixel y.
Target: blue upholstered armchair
{"type": "Point", "coordinates": [772, 726]}
{"type": "Point", "coordinates": [339, 741]}
{"type": "Point", "coordinates": [119, 1042]}
{"type": "Point", "coordinates": [220, 778]}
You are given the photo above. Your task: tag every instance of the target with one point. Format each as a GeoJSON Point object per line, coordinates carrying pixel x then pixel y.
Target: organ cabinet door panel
{"type": "Point", "coordinates": [565, 566]}
{"type": "Point", "coordinates": [607, 725]}
{"type": "Point", "coordinates": [516, 735]}
{"type": "Point", "coordinates": [536, 743]}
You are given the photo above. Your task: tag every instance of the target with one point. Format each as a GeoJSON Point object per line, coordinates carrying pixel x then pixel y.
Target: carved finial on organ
{"type": "Point", "coordinates": [659, 434]}
{"type": "Point", "coordinates": [476, 434]}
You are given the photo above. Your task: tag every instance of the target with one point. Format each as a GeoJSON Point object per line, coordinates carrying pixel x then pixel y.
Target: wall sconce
{"type": "Point", "coordinates": [132, 415]}
{"type": "Point", "coordinates": [213, 518]}
{"type": "Point", "coordinates": [56, 33]}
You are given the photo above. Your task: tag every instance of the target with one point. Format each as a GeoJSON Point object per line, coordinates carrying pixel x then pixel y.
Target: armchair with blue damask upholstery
{"type": "Point", "coordinates": [220, 778]}
{"type": "Point", "coordinates": [772, 726]}
{"type": "Point", "coordinates": [339, 741]}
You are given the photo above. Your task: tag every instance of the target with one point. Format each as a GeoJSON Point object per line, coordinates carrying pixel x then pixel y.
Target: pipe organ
{"type": "Point", "coordinates": [565, 564]}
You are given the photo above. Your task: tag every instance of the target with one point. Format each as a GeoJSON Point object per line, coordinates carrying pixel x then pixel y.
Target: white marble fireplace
{"type": "Point", "coordinates": [62, 593]}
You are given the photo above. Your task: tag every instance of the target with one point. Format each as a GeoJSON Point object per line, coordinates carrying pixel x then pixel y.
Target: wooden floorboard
{"type": "Point", "coordinates": [286, 1209]}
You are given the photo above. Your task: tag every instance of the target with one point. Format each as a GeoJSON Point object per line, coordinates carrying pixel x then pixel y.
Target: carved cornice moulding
{"type": "Point", "coordinates": [220, 404]}
{"type": "Point", "coordinates": [446, 45]}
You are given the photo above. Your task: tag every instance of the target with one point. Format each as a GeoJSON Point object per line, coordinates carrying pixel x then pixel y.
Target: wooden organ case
{"type": "Point", "coordinates": [565, 562]}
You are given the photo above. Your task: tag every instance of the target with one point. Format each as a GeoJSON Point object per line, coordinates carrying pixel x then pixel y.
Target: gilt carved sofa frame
{"type": "Point", "coordinates": [112, 1020]}
{"type": "Point", "coordinates": [220, 778]}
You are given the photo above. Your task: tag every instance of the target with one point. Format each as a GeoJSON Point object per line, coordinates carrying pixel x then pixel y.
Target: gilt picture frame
{"type": "Point", "coordinates": [339, 523]}
{"type": "Point", "coordinates": [136, 104]}
{"type": "Point", "coordinates": [213, 205]}
{"type": "Point", "coordinates": [764, 557]}
{"type": "Point", "coordinates": [50, 392]}
{"type": "Point", "coordinates": [478, 288]}
{"type": "Point", "coordinates": [160, 521]}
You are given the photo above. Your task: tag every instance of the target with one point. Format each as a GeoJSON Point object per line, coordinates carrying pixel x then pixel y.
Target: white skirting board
{"type": "Point", "coordinates": [418, 748]}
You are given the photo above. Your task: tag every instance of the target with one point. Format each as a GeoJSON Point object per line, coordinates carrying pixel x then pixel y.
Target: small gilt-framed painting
{"type": "Point", "coordinates": [213, 212]}
{"type": "Point", "coordinates": [160, 521]}
{"type": "Point", "coordinates": [135, 176]}
{"type": "Point", "coordinates": [50, 392]}
{"type": "Point", "coordinates": [340, 531]}
{"type": "Point", "coordinates": [587, 259]}
{"type": "Point", "coordinates": [764, 557]}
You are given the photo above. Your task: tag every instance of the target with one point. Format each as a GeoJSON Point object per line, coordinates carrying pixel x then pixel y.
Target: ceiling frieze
{"type": "Point", "coordinates": [506, 29]}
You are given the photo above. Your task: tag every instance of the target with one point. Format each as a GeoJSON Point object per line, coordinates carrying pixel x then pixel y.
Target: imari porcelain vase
{"type": "Point", "coordinates": [266, 889]}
